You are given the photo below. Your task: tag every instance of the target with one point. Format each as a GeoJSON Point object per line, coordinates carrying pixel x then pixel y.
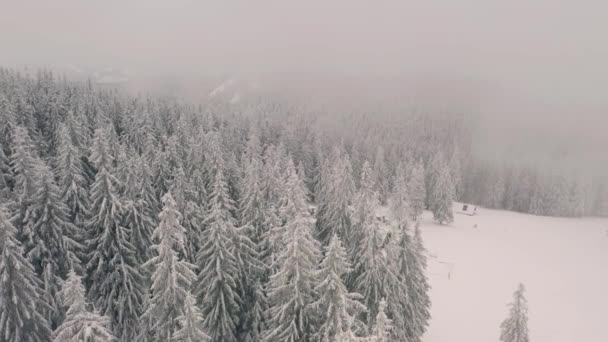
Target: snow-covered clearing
{"type": "Point", "coordinates": [563, 263]}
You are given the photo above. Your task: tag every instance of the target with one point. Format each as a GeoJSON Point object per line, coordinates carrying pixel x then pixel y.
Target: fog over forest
{"type": "Point", "coordinates": [538, 64]}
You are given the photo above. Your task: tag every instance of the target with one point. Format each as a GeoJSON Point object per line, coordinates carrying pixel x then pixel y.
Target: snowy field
{"type": "Point", "coordinates": [563, 263]}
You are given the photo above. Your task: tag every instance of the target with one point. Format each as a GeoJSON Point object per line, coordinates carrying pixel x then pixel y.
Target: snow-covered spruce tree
{"type": "Point", "coordinates": [382, 176]}
{"type": "Point", "coordinates": [434, 168]}
{"type": "Point", "coordinates": [217, 284]}
{"type": "Point", "coordinates": [139, 215]}
{"type": "Point", "coordinates": [274, 167]}
{"type": "Point", "coordinates": [8, 120]}
{"type": "Point", "coordinates": [515, 327]}
{"type": "Point", "coordinates": [253, 215]}
{"type": "Point", "coordinates": [116, 285]}
{"type": "Point", "coordinates": [381, 331]}
{"type": "Point", "coordinates": [365, 205]}
{"type": "Point", "coordinates": [414, 301]}
{"type": "Point", "coordinates": [171, 277]}
{"type": "Point", "coordinates": [25, 166]}
{"type": "Point", "coordinates": [186, 198]}
{"type": "Point", "coordinates": [124, 171]}
{"type": "Point", "coordinates": [252, 207]}
{"type": "Point", "coordinates": [443, 198]}
{"type": "Point", "coordinates": [338, 188]}
{"type": "Point", "coordinates": [194, 212]}
{"type": "Point", "coordinates": [456, 172]}
{"type": "Point", "coordinates": [497, 193]}
{"type": "Point", "coordinates": [21, 297]}
{"type": "Point", "coordinates": [80, 325]}
{"type": "Point", "coordinates": [162, 174]}
{"type": "Point", "coordinates": [76, 131]}
{"type": "Point", "coordinates": [146, 184]}
{"type": "Point", "coordinates": [291, 289]}
{"type": "Point", "coordinates": [416, 190]}
{"type": "Point", "coordinates": [233, 175]}
{"type": "Point", "coordinates": [50, 246]}
{"type": "Point", "coordinates": [374, 272]}
{"type": "Point", "coordinates": [577, 198]}
{"type": "Point", "coordinates": [538, 202]}
{"type": "Point", "coordinates": [190, 323]}
{"type": "Point", "coordinates": [400, 199]}
{"type": "Point", "coordinates": [72, 182]}
{"type": "Point", "coordinates": [337, 309]}
{"type": "Point", "coordinates": [6, 176]}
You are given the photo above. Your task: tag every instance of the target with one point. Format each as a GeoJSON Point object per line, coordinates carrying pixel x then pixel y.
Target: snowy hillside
{"type": "Point", "coordinates": [474, 271]}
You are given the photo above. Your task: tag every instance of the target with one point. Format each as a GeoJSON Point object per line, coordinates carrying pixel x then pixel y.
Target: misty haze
{"type": "Point", "coordinates": [271, 171]}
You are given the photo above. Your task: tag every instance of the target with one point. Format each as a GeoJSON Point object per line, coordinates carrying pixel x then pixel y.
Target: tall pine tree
{"type": "Point", "coordinates": [414, 299]}
{"type": "Point", "coordinates": [171, 278]}
{"type": "Point", "coordinates": [416, 190]}
{"type": "Point", "coordinates": [291, 288]}
{"type": "Point", "coordinates": [443, 197]}
{"type": "Point", "coordinates": [80, 325]}
{"type": "Point", "coordinates": [338, 309]}
{"type": "Point", "coordinates": [50, 246]}
{"type": "Point", "coordinates": [116, 284]}
{"type": "Point", "coordinates": [190, 323]}
{"type": "Point", "coordinates": [21, 296]}
{"type": "Point", "coordinates": [217, 284]}
{"type": "Point", "coordinates": [381, 331]}
{"type": "Point", "coordinates": [515, 327]}
{"type": "Point", "coordinates": [338, 188]}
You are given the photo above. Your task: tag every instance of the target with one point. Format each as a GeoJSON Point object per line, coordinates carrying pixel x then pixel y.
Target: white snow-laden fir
{"type": "Point", "coordinates": [80, 324]}
{"type": "Point", "coordinates": [162, 173]}
{"type": "Point", "coordinates": [171, 277]}
{"type": "Point", "coordinates": [6, 176]}
{"type": "Point", "coordinates": [291, 288]}
{"type": "Point", "coordinates": [374, 272]}
{"type": "Point", "coordinates": [217, 281]}
{"type": "Point", "coordinates": [400, 198]}
{"type": "Point", "coordinates": [497, 194]}
{"type": "Point", "coordinates": [442, 197]}
{"type": "Point", "coordinates": [515, 327]}
{"type": "Point", "coordinates": [381, 331]}
{"type": "Point", "coordinates": [25, 163]}
{"type": "Point", "coordinates": [416, 190]}
{"type": "Point", "coordinates": [21, 295]}
{"type": "Point", "coordinates": [190, 323]}
{"type": "Point", "coordinates": [456, 172]}
{"type": "Point", "coordinates": [139, 210]}
{"type": "Point", "coordinates": [253, 214]}
{"type": "Point", "coordinates": [72, 182]}
{"type": "Point", "coordinates": [115, 282]}
{"type": "Point", "coordinates": [365, 203]}
{"type": "Point", "coordinates": [51, 245]}
{"type": "Point", "coordinates": [382, 176]}
{"type": "Point", "coordinates": [412, 303]}
{"type": "Point", "coordinates": [25, 166]}
{"type": "Point", "coordinates": [8, 120]}
{"type": "Point", "coordinates": [191, 207]}
{"type": "Point", "coordinates": [337, 308]}
{"type": "Point", "coordinates": [338, 188]}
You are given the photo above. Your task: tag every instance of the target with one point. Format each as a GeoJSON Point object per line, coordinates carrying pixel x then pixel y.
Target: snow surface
{"type": "Point", "coordinates": [563, 263]}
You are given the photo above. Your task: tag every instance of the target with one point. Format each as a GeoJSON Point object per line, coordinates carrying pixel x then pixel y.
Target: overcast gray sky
{"type": "Point", "coordinates": [547, 47]}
